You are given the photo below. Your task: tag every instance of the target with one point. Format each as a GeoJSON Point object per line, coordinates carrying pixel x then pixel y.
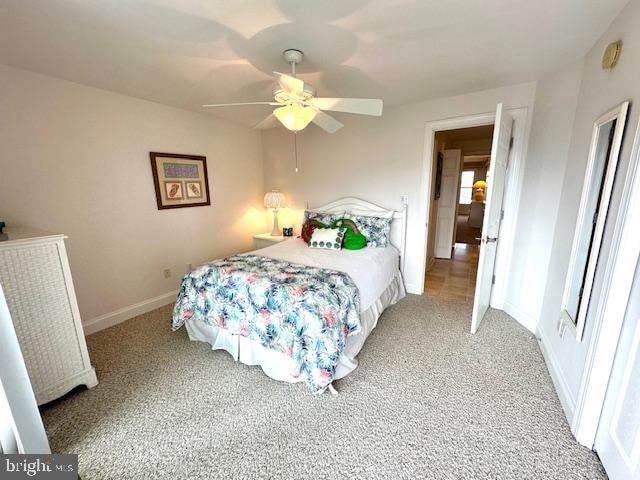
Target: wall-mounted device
{"type": "Point", "coordinates": [611, 55]}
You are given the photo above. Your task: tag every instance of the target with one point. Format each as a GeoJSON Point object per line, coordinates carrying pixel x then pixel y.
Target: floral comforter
{"type": "Point", "coordinates": [304, 312]}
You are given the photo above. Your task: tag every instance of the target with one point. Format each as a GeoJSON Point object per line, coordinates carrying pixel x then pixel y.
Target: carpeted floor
{"type": "Point", "coordinates": [427, 401]}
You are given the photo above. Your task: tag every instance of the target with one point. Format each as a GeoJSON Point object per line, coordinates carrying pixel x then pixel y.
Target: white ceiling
{"type": "Point", "coordinates": [188, 52]}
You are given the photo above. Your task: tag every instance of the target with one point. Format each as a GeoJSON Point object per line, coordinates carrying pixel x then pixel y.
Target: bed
{"type": "Point", "coordinates": [344, 292]}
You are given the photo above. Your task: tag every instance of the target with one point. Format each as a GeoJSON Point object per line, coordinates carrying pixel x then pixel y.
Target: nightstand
{"type": "Point", "coordinates": [263, 240]}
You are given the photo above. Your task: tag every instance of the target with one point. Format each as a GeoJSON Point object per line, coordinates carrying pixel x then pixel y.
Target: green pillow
{"type": "Point", "coordinates": [353, 239]}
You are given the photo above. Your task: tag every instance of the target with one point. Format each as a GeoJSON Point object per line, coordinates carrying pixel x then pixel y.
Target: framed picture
{"type": "Point", "coordinates": [193, 189]}
{"type": "Point", "coordinates": [180, 180]}
{"type": "Point", "coordinates": [439, 166]}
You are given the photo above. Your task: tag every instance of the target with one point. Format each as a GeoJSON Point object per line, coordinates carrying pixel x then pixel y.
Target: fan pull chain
{"type": "Point", "coordinates": [295, 148]}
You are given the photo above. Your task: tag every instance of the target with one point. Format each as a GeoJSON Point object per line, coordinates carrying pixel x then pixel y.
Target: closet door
{"type": "Point", "coordinates": [618, 437]}
{"type": "Point", "coordinates": [448, 203]}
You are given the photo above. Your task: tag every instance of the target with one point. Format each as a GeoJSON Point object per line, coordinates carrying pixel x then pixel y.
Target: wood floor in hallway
{"type": "Point", "coordinates": [454, 279]}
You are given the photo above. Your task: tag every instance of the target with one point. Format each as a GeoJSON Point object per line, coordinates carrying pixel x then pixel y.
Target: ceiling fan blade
{"type": "Point", "coordinates": [362, 106]}
{"type": "Point", "coordinates": [239, 104]}
{"type": "Point", "coordinates": [290, 84]}
{"type": "Point", "coordinates": [327, 122]}
{"type": "Point", "coordinates": [270, 122]}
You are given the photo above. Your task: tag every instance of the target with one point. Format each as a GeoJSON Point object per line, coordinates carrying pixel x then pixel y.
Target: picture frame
{"type": "Point", "coordinates": [180, 180]}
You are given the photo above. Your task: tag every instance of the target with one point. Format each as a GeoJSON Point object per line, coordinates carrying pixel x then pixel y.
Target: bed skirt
{"type": "Point", "coordinates": [279, 366]}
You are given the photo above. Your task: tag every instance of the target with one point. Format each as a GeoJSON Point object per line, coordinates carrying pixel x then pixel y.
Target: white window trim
{"type": "Point", "coordinates": [576, 325]}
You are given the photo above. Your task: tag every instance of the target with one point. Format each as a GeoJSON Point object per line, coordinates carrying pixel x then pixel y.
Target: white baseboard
{"type": "Point", "coordinates": [412, 288]}
{"type": "Point", "coordinates": [523, 318]}
{"type": "Point", "coordinates": [559, 382]}
{"type": "Point", "coordinates": [118, 316]}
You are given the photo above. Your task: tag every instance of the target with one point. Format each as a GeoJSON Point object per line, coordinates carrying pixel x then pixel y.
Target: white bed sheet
{"type": "Point", "coordinates": [371, 269]}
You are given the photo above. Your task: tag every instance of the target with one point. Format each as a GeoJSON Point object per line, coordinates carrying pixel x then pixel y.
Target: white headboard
{"type": "Point", "coordinates": [398, 234]}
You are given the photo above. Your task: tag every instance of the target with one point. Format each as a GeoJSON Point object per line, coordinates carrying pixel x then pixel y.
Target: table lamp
{"type": "Point", "coordinates": [275, 200]}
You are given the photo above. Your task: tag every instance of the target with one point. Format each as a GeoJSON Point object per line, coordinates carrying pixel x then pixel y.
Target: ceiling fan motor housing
{"type": "Point", "coordinates": [293, 57]}
{"type": "Point", "coordinates": [285, 97]}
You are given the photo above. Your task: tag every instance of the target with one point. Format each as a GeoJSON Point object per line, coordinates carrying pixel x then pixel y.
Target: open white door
{"type": "Point", "coordinates": [496, 177]}
{"type": "Point", "coordinates": [447, 203]}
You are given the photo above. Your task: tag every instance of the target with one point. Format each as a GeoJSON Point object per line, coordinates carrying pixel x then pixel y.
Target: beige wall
{"type": "Point", "coordinates": [377, 159]}
{"type": "Point", "coordinates": [556, 101]}
{"type": "Point", "coordinates": [76, 160]}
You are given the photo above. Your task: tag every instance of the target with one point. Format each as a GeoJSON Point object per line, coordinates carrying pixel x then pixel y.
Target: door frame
{"type": "Point", "coordinates": [616, 287]}
{"type": "Point", "coordinates": [515, 172]}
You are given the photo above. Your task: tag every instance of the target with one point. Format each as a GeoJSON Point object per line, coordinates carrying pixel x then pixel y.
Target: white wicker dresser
{"type": "Point", "coordinates": [36, 279]}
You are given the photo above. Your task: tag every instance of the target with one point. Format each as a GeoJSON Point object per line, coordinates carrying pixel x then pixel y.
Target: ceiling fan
{"type": "Point", "coordinates": [298, 105]}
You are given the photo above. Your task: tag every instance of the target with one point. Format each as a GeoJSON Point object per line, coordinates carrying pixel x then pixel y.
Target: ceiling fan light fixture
{"type": "Point", "coordinates": [298, 105]}
{"type": "Point", "coordinates": [295, 117]}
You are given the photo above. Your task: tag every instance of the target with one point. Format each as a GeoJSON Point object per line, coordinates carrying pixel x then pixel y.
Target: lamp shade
{"type": "Point", "coordinates": [480, 184]}
{"type": "Point", "coordinates": [295, 117]}
{"type": "Point", "coordinates": [274, 199]}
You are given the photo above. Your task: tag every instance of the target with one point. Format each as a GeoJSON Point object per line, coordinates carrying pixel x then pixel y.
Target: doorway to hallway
{"type": "Point", "coordinates": [454, 278]}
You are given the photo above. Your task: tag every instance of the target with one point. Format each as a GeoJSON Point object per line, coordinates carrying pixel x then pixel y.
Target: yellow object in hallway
{"type": "Point", "coordinates": [295, 117]}
{"type": "Point", "coordinates": [480, 185]}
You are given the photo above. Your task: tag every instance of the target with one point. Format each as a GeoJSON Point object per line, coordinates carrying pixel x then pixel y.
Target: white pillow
{"type": "Point", "coordinates": [330, 238]}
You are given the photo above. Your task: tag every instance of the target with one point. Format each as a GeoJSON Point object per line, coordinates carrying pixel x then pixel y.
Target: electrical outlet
{"type": "Point", "coordinates": [166, 272]}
